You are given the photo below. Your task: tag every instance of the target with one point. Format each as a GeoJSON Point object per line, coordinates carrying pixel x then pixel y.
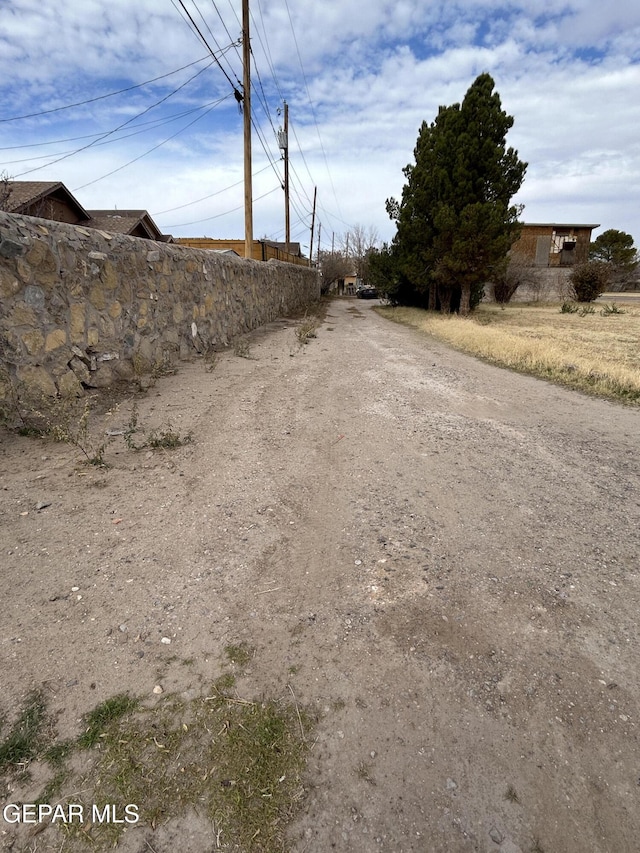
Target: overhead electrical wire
{"type": "Point", "coordinates": [100, 139]}
{"type": "Point", "coordinates": [238, 21]}
{"type": "Point", "coordinates": [234, 42]}
{"type": "Point", "coordinates": [266, 49]}
{"type": "Point", "coordinates": [226, 213]}
{"type": "Point", "coordinates": [145, 127]}
{"type": "Point", "coordinates": [155, 147]}
{"type": "Point", "coordinates": [102, 97]}
{"type": "Point", "coordinates": [236, 91]}
{"type": "Point", "coordinates": [313, 112]}
{"type": "Point", "coordinates": [299, 197]}
{"type": "Point", "coordinates": [211, 195]}
{"type": "Point", "coordinates": [259, 90]}
{"type": "Point", "coordinates": [115, 130]}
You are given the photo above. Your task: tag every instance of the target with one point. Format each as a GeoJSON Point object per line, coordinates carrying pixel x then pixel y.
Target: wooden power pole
{"type": "Point", "coordinates": [284, 144]}
{"type": "Point", "coordinates": [246, 108]}
{"type": "Point", "coordinates": [313, 225]}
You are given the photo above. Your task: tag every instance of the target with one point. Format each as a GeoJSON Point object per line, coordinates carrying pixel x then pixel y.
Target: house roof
{"type": "Point", "coordinates": [556, 225]}
{"type": "Point", "coordinates": [23, 194]}
{"type": "Point", "coordinates": [136, 222]}
{"type": "Point", "coordinates": [292, 248]}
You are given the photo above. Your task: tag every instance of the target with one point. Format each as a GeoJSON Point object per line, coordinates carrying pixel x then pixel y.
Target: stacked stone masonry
{"type": "Point", "coordinates": [81, 308]}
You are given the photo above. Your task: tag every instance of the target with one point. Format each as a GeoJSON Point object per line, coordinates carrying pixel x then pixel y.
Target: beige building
{"type": "Point", "coordinates": [262, 250]}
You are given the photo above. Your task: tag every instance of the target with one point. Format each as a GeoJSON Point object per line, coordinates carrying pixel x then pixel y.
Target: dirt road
{"type": "Point", "coordinates": [439, 556]}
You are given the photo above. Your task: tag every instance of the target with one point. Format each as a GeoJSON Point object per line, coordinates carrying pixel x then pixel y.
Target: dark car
{"type": "Point", "coordinates": [367, 293]}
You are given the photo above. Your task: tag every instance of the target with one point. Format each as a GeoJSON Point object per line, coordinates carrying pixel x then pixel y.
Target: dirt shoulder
{"type": "Point", "coordinates": [437, 556]}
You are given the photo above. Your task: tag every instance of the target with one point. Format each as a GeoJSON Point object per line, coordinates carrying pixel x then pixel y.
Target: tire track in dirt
{"type": "Point", "coordinates": [438, 556]}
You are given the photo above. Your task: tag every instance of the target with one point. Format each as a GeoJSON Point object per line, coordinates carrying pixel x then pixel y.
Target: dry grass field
{"type": "Point", "coordinates": [598, 352]}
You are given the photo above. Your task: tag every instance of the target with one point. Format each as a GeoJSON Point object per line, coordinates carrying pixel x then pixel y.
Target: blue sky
{"type": "Point", "coordinates": [359, 80]}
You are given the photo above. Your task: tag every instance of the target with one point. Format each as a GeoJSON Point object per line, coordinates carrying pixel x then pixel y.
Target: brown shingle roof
{"type": "Point", "coordinates": [135, 222]}
{"type": "Point", "coordinates": [21, 195]}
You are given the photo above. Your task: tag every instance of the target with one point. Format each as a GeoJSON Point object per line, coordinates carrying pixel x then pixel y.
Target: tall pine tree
{"type": "Point", "coordinates": [455, 222]}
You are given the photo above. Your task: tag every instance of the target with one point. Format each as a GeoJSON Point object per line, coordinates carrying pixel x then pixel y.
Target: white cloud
{"type": "Point", "coordinates": [567, 72]}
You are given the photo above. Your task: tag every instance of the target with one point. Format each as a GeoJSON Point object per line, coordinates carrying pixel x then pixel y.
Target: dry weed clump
{"type": "Point", "coordinates": [597, 353]}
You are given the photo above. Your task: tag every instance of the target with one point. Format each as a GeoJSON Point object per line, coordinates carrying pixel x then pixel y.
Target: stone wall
{"type": "Point", "coordinates": [81, 308]}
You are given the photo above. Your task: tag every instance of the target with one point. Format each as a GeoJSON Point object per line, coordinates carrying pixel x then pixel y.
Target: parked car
{"type": "Point", "coordinates": [366, 292]}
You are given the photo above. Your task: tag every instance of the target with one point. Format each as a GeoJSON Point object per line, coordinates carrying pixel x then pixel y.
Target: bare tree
{"type": "Point", "coordinates": [333, 266]}
{"type": "Point", "coordinates": [5, 189]}
{"type": "Point", "coordinates": [357, 245]}
{"type": "Point", "coordinates": [510, 276]}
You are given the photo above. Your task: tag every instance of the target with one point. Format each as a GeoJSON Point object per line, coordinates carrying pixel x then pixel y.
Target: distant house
{"type": "Point", "coordinates": [135, 223]}
{"type": "Point", "coordinates": [348, 285]}
{"type": "Point", "coordinates": [553, 244]}
{"type": "Point", "coordinates": [289, 248]}
{"type": "Point", "coordinates": [44, 199]}
{"type": "Point", "coordinates": [261, 250]}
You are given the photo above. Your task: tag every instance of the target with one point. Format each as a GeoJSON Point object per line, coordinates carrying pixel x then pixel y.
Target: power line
{"type": "Point", "coordinates": [151, 150]}
{"type": "Point", "coordinates": [115, 130]}
{"type": "Point", "coordinates": [267, 51]}
{"type": "Point", "coordinates": [145, 127]}
{"type": "Point", "coordinates": [226, 213]}
{"type": "Point", "coordinates": [211, 195]}
{"type": "Point", "coordinates": [102, 97]}
{"type": "Point", "coordinates": [239, 22]}
{"type": "Point", "coordinates": [313, 112]}
{"type": "Point", "coordinates": [236, 91]}
{"type": "Point", "coordinates": [230, 37]}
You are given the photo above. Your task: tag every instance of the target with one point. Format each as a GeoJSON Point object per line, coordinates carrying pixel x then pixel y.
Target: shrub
{"type": "Point", "coordinates": [589, 280]}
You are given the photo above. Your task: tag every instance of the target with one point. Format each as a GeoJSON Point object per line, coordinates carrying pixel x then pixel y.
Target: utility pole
{"type": "Point", "coordinates": [319, 233]}
{"type": "Point", "coordinates": [283, 142]}
{"type": "Point", "coordinates": [246, 108]}
{"type": "Point", "coordinates": [313, 224]}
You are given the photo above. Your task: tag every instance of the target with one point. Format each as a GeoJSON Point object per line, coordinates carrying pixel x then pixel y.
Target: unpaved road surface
{"type": "Point", "coordinates": [439, 556]}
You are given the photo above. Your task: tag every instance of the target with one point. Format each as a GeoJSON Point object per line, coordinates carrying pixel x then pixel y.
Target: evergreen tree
{"type": "Point", "coordinates": [455, 221]}
{"type": "Point", "coordinates": [616, 249]}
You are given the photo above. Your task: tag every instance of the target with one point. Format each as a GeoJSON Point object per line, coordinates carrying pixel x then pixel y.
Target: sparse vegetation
{"type": "Point", "coordinates": [606, 310]}
{"type": "Point", "coordinates": [167, 438]}
{"type": "Point", "coordinates": [162, 437]}
{"type": "Point", "coordinates": [239, 654]}
{"type": "Point", "coordinates": [63, 419]}
{"type": "Point", "coordinates": [242, 348]}
{"type": "Point", "coordinates": [66, 428]}
{"type": "Point", "coordinates": [237, 760]}
{"type": "Point", "coordinates": [586, 309]}
{"type": "Point", "coordinates": [601, 358]}
{"type": "Point", "coordinates": [363, 771]}
{"type": "Point", "coordinates": [307, 330]}
{"type": "Point", "coordinates": [68, 420]}
{"type": "Point", "coordinates": [511, 795]}
{"type": "Point", "coordinates": [103, 716]}
{"type": "Point", "coordinates": [27, 736]}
